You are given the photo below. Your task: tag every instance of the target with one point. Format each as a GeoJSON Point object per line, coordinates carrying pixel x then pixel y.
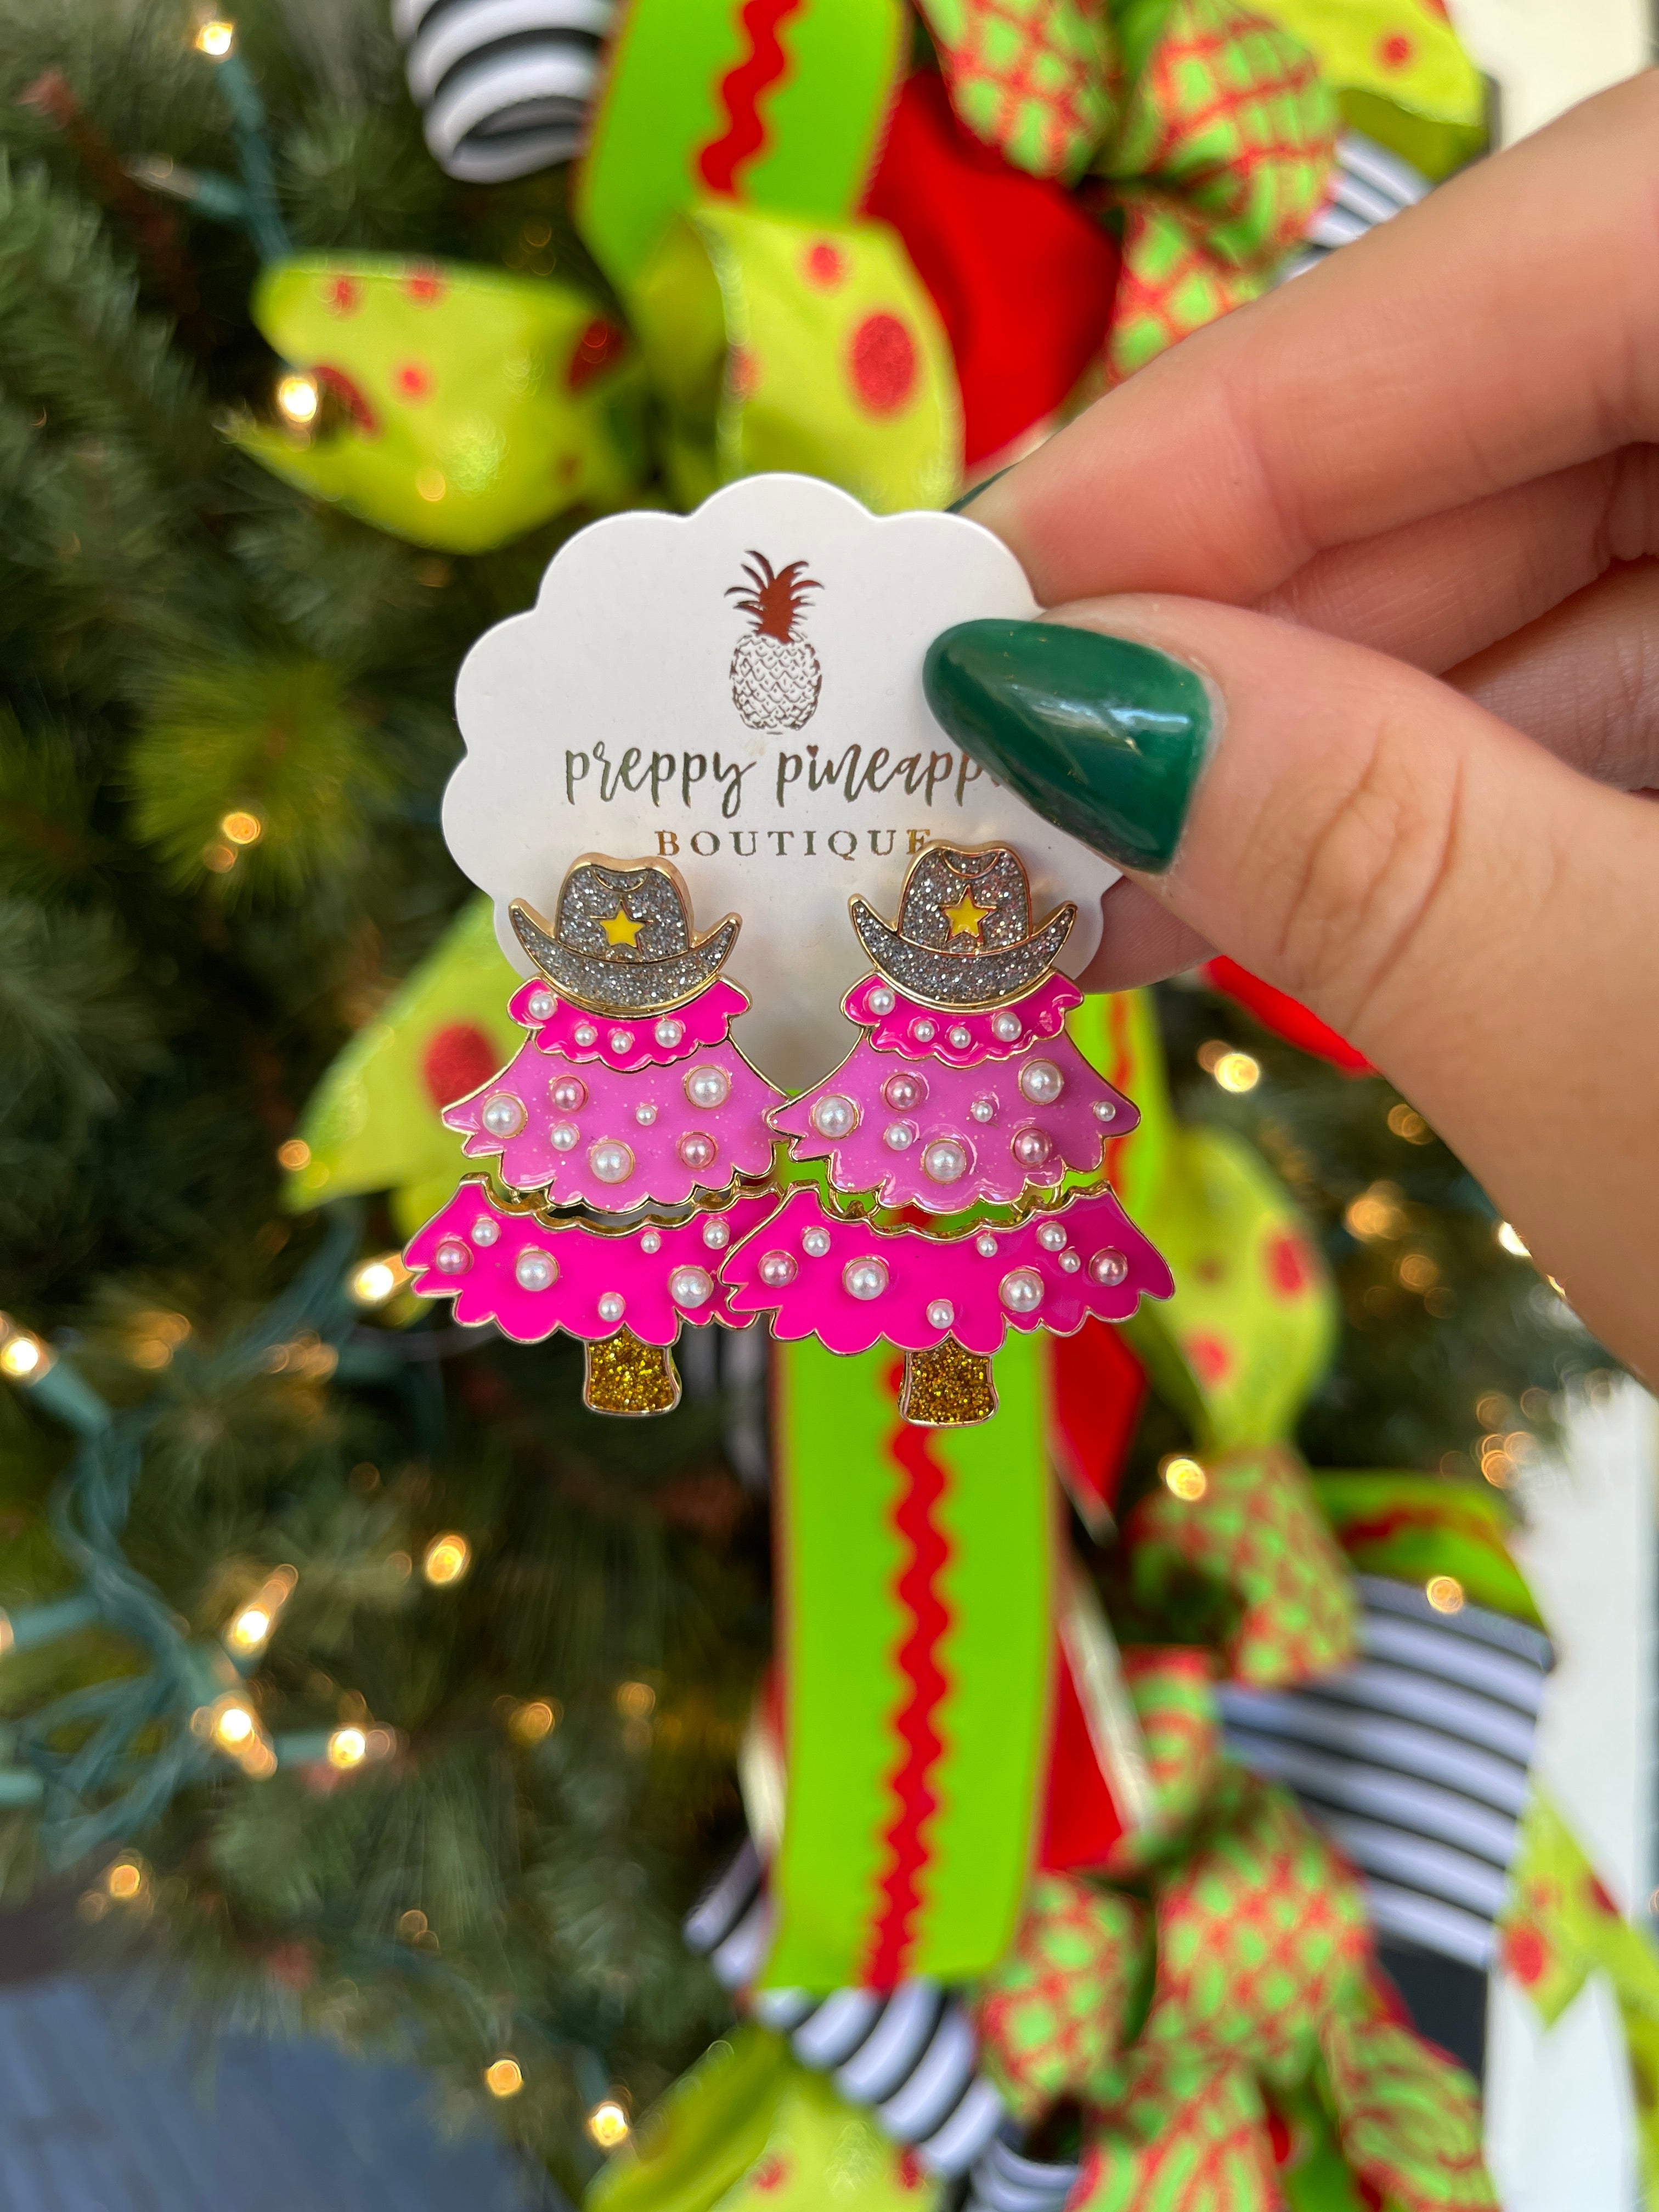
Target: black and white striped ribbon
{"type": "Point", "coordinates": [1413, 1761]}
{"type": "Point", "coordinates": [1369, 186]}
{"type": "Point", "coordinates": [911, 2055]}
{"type": "Point", "coordinates": [504, 85]}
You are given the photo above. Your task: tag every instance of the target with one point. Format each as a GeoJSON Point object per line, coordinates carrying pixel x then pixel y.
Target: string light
{"type": "Point", "coordinates": [219, 858]}
{"type": "Point", "coordinates": [529, 1722]}
{"type": "Point", "coordinates": [241, 826]}
{"type": "Point", "coordinates": [607, 2124]}
{"type": "Point", "coordinates": [1237, 1071]}
{"type": "Point", "coordinates": [124, 1881]}
{"type": "Point", "coordinates": [250, 1629]}
{"type": "Point", "coordinates": [232, 1727]}
{"type": "Point", "coordinates": [504, 2077]}
{"type": "Point", "coordinates": [1376, 1213]}
{"type": "Point", "coordinates": [447, 1559]}
{"type": "Point", "coordinates": [1509, 1238]}
{"type": "Point", "coordinates": [1444, 1593]}
{"type": "Point", "coordinates": [378, 1280]}
{"type": "Point", "coordinates": [293, 1155]}
{"type": "Point", "coordinates": [348, 1747]}
{"type": "Point", "coordinates": [634, 1700]}
{"type": "Point", "coordinates": [1405, 1122]}
{"type": "Point", "coordinates": [215, 38]}
{"type": "Point", "coordinates": [298, 397]}
{"type": "Point", "coordinates": [1183, 1478]}
{"type": "Point", "coordinates": [23, 1356]}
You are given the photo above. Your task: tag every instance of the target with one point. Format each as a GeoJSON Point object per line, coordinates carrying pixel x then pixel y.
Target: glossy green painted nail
{"type": "Point", "coordinates": [1103, 737]}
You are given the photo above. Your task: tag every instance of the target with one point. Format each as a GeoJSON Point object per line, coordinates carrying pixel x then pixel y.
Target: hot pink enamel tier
{"type": "Point", "coordinates": [531, 1277]}
{"type": "Point", "coordinates": [618, 1114]}
{"type": "Point", "coordinates": [944, 1112]}
{"type": "Point", "coordinates": [807, 1268]}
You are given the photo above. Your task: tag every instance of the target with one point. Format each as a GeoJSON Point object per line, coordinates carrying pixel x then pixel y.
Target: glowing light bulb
{"type": "Point", "coordinates": [531, 1721]}
{"type": "Point", "coordinates": [634, 1700]}
{"type": "Point", "coordinates": [298, 397]}
{"type": "Point", "coordinates": [348, 1747]}
{"type": "Point", "coordinates": [250, 1629]}
{"type": "Point", "coordinates": [1237, 1071]}
{"type": "Point", "coordinates": [215, 38]}
{"type": "Point", "coordinates": [1444, 1593]}
{"type": "Point", "coordinates": [241, 826]}
{"type": "Point", "coordinates": [608, 2123]}
{"type": "Point", "coordinates": [379, 1279]}
{"type": "Point", "coordinates": [293, 1155]}
{"type": "Point", "coordinates": [504, 2077]}
{"type": "Point", "coordinates": [447, 1559]}
{"type": "Point", "coordinates": [1183, 1478]}
{"type": "Point", "coordinates": [1509, 1239]}
{"type": "Point", "coordinates": [234, 1726]}
{"type": "Point", "coordinates": [22, 1355]}
{"type": "Point", "coordinates": [124, 1879]}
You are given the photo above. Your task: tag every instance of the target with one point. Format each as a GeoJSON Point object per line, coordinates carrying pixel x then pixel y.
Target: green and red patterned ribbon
{"type": "Point", "coordinates": [917, 1649]}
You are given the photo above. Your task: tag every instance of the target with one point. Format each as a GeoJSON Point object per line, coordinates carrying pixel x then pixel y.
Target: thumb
{"type": "Point", "coordinates": [1478, 919]}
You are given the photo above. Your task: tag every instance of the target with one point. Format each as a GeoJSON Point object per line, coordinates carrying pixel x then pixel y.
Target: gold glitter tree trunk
{"type": "Point", "coordinates": [627, 1377]}
{"type": "Point", "coordinates": [947, 1387]}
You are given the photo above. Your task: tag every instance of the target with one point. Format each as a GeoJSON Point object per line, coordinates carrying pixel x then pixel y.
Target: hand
{"type": "Point", "coordinates": [1391, 668]}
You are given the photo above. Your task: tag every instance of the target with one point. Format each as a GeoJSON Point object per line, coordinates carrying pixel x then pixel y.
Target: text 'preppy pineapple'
{"type": "Point", "coordinates": [943, 775]}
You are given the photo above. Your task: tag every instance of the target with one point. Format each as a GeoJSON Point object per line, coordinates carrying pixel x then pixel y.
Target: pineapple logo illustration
{"type": "Point", "coordinates": [776, 675]}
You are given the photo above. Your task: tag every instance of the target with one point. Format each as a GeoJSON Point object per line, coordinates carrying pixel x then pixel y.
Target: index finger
{"type": "Point", "coordinates": [1506, 327]}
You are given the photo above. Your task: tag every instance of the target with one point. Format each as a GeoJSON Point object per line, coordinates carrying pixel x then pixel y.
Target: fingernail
{"type": "Point", "coordinates": [958, 506]}
{"type": "Point", "coordinates": [1101, 736]}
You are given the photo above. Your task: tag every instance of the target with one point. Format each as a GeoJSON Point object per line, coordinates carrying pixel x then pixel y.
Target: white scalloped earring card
{"type": "Point", "coordinates": [739, 690]}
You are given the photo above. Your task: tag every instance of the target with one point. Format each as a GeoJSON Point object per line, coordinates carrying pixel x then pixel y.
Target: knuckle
{"type": "Point", "coordinates": [1364, 858]}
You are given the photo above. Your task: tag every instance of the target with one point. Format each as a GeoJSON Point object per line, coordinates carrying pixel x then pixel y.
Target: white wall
{"type": "Point", "coordinates": [1546, 54]}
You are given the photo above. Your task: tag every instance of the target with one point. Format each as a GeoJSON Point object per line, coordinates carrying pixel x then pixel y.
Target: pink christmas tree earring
{"type": "Point", "coordinates": [628, 1099]}
{"type": "Point", "coordinates": [965, 1097]}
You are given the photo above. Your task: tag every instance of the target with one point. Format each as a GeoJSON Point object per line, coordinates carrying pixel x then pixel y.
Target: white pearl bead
{"type": "Point", "coordinates": [569, 1093]}
{"type": "Point", "coordinates": [452, 1257]}
{"type": "Point", "coordinates": [585, 1035]}
{"type": "Point", "coordinates": [541, 1004]}
{"type": "Point", "coordinates": [1020, 1290]}
{"type": "Point", "coordinates": [644, 1115]}
{"type": "Point", "coordinates": [961, 1038]}
{"type": "Point", "coordinates": [880, 1000]}
{"type": "Point", "coordinates": [565, 1137]}
{"type": "Point", "coordinates": [1105, 1110]}
{"type": "Point", "coordinates": [486, 1229]}
{"type": "Point", "coordinates": [904, 1092]}
{"type": "Point", "coordinates": [777, 1270]}
{"type": "Point", "coordinates": [1042, 1082]}
{"type": "Point", "coordinates": [985, 1246]}
{"type": "Point", "coordinates": [899, 1136]}
{"type": "Point", "coordinates": [1108, 1269]}
{"type": "Point", "coordinates": [622, 1039]}
{"type": "Point", "coordinates": [535, 1271]}
{"type": "Point", "coordinates": [864, 1278]}
{"type": "Point", "coordinates": [946, 1160]}
{"type": "Point", "coordinates": [612, 1306]}
{"type": "Point", "coordinates": [652, 1241]}
{"type": "Point", "coordinates": [1071, 1261]}
{"type": "Point", "coordinates": [835, 1116]}
{"type": "Point", "coordinates": [708, 1087]}
{"type": "Point", "coordinates": [815, 1242]}
{"type": "Point", "coordinates": [610, 1160]}
{"type": "Point", "coordinates": [697, 1151]}
{"type": "Point", "coordinates": [503, 1115]}
{"type": "Point", "coordinates": [1033, 1148]}
{"type": "Point", "coordinates": [691, 1286]}
{"type": "Point", "coordinates": [716, 1233]}
{"type": "Point", "coordinates": [1007, 1027]}
{"type": "Point", "coordinates": [1052, 1236]}
{"type": "Point", "coordinates": [984, 1110]}
{"type": "Point", "coordinates": [941, 1314]}
{"type": "Point", "coordinates": [924, 1033]}
{"type": "Point", "coordinates": [668, 1032]}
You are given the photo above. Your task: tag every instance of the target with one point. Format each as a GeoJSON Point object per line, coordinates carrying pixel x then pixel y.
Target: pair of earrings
{"type": "Point", "coordinates": [643, 1158]}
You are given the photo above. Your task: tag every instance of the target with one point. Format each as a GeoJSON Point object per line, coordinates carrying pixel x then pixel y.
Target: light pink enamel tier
{"type": "Point", "coordinates": [530, 1276]}
{"type": "Point", "coordinates": [618, 1114]}
{"type": "Point", "coordinates": [852, 1286]}
{"type": "Point", "coordinates": [956, 1113]}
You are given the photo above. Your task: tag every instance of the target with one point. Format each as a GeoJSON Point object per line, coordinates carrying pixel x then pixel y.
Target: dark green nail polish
{"type": "Point", "coordinates": [973, 491]}
{"type": "Point", "coordinates": [1102, 737]}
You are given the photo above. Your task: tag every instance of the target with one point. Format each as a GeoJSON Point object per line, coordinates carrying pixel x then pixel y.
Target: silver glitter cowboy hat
{"type": "Point", "coordinates": [964, 935]}
{"type": "Point", "coordinates": [620, 942]}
